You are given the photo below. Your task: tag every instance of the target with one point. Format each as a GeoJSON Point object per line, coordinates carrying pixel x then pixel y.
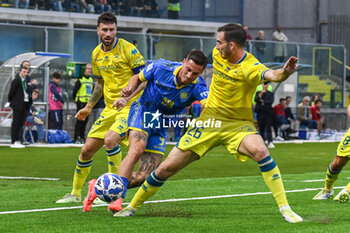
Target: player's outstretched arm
{"type": "Point", "coordinates": [96, 95]}
{"type": "Point", "coordinates": [282, 74]}
{"type": "Point", "coordinates": [120, 103]}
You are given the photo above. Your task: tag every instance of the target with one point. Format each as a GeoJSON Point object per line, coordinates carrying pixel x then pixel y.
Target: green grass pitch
{"type": "Point", "coordinates": [245, 208]}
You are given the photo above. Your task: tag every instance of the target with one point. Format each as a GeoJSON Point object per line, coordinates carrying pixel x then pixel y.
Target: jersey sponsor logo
{"type": "Point", "coordinates": [134, 51]}
{"type": "Point", "coordinates": [219, 74]}
{"type": "Point", "coordinates": [108, 67]}
{"type": "Point", "coordinates": [167, 102]}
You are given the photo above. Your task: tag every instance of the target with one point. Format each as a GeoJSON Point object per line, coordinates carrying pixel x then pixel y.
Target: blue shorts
{"type": "Point", "coordinates": [140, 119]}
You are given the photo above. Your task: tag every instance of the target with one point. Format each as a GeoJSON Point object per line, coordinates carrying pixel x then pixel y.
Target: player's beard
{"type": "Point", "coordinates": [109, 43]}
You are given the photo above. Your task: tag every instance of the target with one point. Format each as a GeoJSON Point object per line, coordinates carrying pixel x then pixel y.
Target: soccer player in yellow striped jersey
{"type": "Point", "coordinates": [236, 74]}
{"type": "Point", "coordinates": [334, 169]}
{"type": "Point", "coordinates": [114, 62]}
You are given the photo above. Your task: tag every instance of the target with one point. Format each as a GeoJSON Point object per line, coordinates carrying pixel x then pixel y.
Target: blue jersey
{"type": "Point", "coordinates": [162, 96]}
{"type": "Point", "coordinates": [162, 91]}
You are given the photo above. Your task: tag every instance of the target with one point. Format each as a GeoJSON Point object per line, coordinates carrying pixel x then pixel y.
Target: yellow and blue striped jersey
{"type": "Point", "coordinates": [116, 67]}
{"type": "Point", "coordinates": [232, 87]}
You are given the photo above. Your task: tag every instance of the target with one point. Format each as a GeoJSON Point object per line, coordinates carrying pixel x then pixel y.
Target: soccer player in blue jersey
{"type": "Point", "coordinates": [170, 88]}
{"type": "Point", "coordinates": [236, 74]}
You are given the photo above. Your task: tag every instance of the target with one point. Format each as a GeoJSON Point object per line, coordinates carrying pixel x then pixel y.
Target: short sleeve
{"type": "Point", "coordinates": [254, 72]}
{"type": "Point", "coordinates": [95, 71]}
{"type": "Point", "coordinates": [136, 61]}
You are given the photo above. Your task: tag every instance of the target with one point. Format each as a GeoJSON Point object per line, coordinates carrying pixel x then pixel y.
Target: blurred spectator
{"type": "Point", "coordinates": [314, 99]}
{"type": "Point", "coordinates": [22, 3]}
{"type": "Point", "coordinates": [20, 99]}
{"type": "Point", "coordinates": [280, 48]}
{"type": "Point", "coordinates": [57, 5]}
{"type": "Point", "coordinates": [81, 94]}
{"type": "Point", "coordinates": [260, 46]}
{"type": "Point", "coordinates": [126, 7]}
{"type": "Point", "coordinates": [55, 103]}
{"type": "Point", "coordinates": [248, 37]}
{"type": "Point", "coordinates": [304, 114]}
{"type": "Point", "coordinates": [288, 111]}
{"type": "Point", "coordinates": [265, 115]}
{"type": "Point", "coordinates": [316, 115]}
{"type": "Point", "coordinates": [150, 9]}
{"type": "Point", "coordinates": [280, 115]}
{"type": "Point", "coordinates": [245, 28]}
{"type": "Point", "coordinates": [36, 117]}
{"type": "Point", "coordinates": [137, 7]}
{"type": "Point", "coordinates": [173, 9]}
{"type": "Point", "coordinates": [152, 40]}
{"type": "Point", "coordinates": [102, 6]}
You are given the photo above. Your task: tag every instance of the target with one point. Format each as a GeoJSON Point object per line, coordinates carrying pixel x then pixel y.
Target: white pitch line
{"type": "Point", "coordinates": [26, 178]}
{"type": "Point", "coordinates": [310, 181]}
{"type": "Point", "coordinates": [162, 201]}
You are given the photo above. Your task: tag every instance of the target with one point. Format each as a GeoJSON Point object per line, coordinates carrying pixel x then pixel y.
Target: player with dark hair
{"type": "Point", "coordinates": [236, 74]}
{"type": "Point", "coordinates": [170, 88]}
{"type": "Point", "coordinates": [114, 62]}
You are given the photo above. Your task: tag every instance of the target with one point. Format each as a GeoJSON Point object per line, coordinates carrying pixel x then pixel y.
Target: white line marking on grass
{"type": "Point", "coordinates": [26, 178]}
{"type": "Point", "coordinates": [162, 201]}
{"type": "Point", "coordinates": [310, 181]}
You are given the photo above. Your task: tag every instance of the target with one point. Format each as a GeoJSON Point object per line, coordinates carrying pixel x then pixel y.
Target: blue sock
{"type": "Point", "coordinates": [125, 183]}
{"type": "Point", "coordinates": [267, 164]}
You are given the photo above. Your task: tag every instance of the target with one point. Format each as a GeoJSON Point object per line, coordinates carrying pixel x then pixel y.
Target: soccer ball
{"type": "Point", "coordinates": [109, 187]}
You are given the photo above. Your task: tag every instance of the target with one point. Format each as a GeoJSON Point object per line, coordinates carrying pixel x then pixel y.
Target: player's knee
{"type": "Point", "coordinates": [338, 163]}
{"type": "Point", "coordinates": [164, 171]}
{"type": "Point", "coordinates": [110, 142]}
{"type": "Point", "coordinates": [86, 153]}
{"type": "Point", "coordinates": [260, 152]}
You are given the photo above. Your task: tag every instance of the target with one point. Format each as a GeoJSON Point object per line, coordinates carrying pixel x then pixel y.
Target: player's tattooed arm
{"type": "Point", "coordinates": [96, 94]}
{"type": "Point", "coordinates": [148, 163]}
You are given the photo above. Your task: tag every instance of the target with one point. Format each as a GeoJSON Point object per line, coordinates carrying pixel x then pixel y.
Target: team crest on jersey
{"type": "Point", "coordinates": [187, 141]}
{"type": "Point", "coordinates": [184, 95]}
{"type": "Point", "coordinates": [134, 51]}
{"type": "Point", "coordinates": [106, 58]}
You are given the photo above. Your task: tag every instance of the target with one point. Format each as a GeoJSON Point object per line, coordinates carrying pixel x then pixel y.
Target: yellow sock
{"type": "Point", "coordinates": [114, 157]}
{"type": "Point", "coordinates": [331, 177]}
{"type": "Point", "coordinates": [82, 170]}
{"type": "Point", "coordinates": [151, 185]}
{"type": "Point", "coordinates": [273, 180]}
{"type": "Point", "coordinates": [348, 187]}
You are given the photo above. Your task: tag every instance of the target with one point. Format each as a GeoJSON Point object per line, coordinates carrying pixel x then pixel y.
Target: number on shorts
{"type": "Point", "coordinates": [346, 141]}
{"type": "Point", "coordinates": [195, 132]}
